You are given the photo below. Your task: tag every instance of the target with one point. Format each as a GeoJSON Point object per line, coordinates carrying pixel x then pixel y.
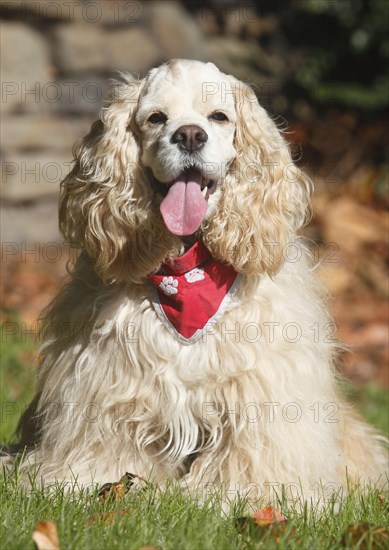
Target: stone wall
{"type": "Point", "coordinates": [56, 59]}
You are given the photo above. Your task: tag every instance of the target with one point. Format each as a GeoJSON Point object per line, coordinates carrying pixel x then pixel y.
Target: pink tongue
{"type": "Point", "coordinates": [183, 208]}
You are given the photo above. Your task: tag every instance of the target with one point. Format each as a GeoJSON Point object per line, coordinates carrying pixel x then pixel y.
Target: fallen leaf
{"type": "Point", "coordinates": [112, 491]}
{"type": "Point", "coordinates": [45, 535]}
{"type": "Point", "coordinates": [365, 536]}
{"type": "Point", "coordinates": [268, 515]}
{"type": "Point", "coordinates": [116, 491]}
{"type": "Point", "coordinates": [384, 503]}
{"type": "Point", "coordinates": [267, 521]}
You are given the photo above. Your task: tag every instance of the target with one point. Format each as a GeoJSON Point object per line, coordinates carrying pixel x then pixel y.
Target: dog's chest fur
{"type": "Point", "coordinates": [233, 383]}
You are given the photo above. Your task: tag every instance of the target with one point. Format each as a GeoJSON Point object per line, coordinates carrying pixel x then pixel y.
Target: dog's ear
{"type": "Point", "coordinates": [265, 198]}
{"type": "Point", "coordinates": [105, 203]}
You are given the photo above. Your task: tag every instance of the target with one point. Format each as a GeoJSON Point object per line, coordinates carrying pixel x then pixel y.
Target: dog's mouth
{"type": "Point", "coordinates": [185, 200]}
{"type": "Point", "coordinates": [208, 186]}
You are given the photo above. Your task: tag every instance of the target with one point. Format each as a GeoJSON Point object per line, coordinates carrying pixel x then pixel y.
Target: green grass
{"type": "Point", "coordinates": [373, 402]}
{"type": "Point", "coordinates": [169, 520]}
{"type": "Point", "coordinates": [166, 518]}
{"type": "Point", "coordinates": [17, 376]}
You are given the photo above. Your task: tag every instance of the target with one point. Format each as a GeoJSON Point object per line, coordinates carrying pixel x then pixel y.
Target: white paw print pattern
{"type": "Point", "coordinates": [168, 285]}
{"type": "Point", "coordinates": [196, 274]}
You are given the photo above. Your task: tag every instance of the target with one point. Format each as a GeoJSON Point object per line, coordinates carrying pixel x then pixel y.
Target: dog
{"type": "Point", "coordinates": [190, 343]}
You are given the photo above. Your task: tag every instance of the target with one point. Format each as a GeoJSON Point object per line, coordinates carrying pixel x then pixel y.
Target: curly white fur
{"type": "Point", "coordinates": [254, 403]}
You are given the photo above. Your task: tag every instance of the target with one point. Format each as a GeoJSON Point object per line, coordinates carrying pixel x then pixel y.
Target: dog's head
{"type": "Point", "coordinates": [186, 120]}
{"type": "Point", "coordinates": [188, 151]}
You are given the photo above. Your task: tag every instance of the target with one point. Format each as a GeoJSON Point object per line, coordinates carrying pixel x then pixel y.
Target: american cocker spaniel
{"type": "Point", "coordinates": [191, 342]}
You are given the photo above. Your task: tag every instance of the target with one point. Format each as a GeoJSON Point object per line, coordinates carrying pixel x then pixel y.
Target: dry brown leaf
{"type": "Point", "coordinates": [45, 535]}
{"type": "Point", "coordinates": [112, 491]}
{"type": "Point", "coordinates": [384, 503]}
{"type": "Point", "coordinates": [116, 491]}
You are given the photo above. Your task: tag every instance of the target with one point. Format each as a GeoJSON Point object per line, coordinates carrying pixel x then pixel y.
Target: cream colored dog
{"type": "Point", "coordinates": [192, 341]}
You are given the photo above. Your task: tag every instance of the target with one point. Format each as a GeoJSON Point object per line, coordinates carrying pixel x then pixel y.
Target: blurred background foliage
{"type": "Point", "coordinates": [347, 49]}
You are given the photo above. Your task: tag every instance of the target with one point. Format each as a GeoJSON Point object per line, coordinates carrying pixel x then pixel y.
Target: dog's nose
{"type": "Point", "coordinates": [190, 138]}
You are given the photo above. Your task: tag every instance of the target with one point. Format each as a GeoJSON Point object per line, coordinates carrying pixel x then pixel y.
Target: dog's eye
{"type": "Point", "coordinates": [157, 118]}
{"type": "Point", "coordinates": [219, 116]}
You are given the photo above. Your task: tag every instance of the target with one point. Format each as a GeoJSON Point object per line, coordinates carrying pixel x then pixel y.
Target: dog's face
{"type": "Point", "coordinates": [186, 120]}
{"type": "Point", "coordinates": [187, 151]}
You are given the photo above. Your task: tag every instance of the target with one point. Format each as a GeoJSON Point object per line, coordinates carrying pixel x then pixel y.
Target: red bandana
{"type": "Point", "coordinates": [191, 292]}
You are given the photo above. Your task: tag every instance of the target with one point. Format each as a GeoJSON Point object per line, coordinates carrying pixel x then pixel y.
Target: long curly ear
{"type": "Point", "coordinates": [105, 206]}
{"type": "Point", "coordinates": [265, 197]}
